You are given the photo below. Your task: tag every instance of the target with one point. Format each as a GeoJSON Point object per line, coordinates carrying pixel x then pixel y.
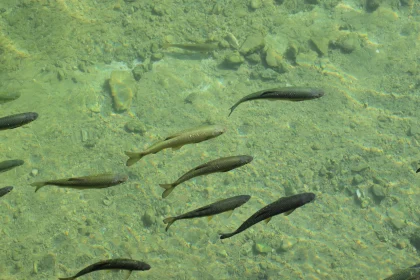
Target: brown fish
{"type": "Point", "coordinates": [193, 47]}
{"type": "Point", "coordinates": [5, 190]}
{"type": "Point", "coordinates": [10, 164]}
{"type": "Point", "coordinates": [283, 205]}
{"type": "Point", "coordinates": [285, 93]}
{"type": "Point", "coordinates": [99, 181]}
{"type": "Point", "coordinates": [219, 165]}
{"type": "Point", "coordinates": [121, 264]}
{"type": "Point", "coordinates": [218, 207]}
{"type": "Point", "coordinates": [14, 121]}
{"type": "Point", "coordinates": [177, 140]}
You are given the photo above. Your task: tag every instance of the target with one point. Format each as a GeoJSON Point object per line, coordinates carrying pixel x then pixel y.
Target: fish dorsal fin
{"type": "Point", "coordinates": [267, 220]}
{"type": "Point", "coordinates": [289, 212]}
{"type": "Point", "coordinates": [76, 179]}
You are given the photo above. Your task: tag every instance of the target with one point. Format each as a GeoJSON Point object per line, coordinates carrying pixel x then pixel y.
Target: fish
{"type": "Point", "coordinates": [7, 97]}
{"type": "Point", "coordinates": [411, 273]}
{"type": "Point", "coordinates": [121, 264]}
{"type": "Point", "coordinates": [283, 205]}
{"type": "Point", "coordinates": [177, 140]}
{"type": "Point", "coordinates": [285, 93]}
{"type": "Point", "coordinates": [218, 207]}
{"type": "Point", "coordinates": [5, 190]}
{"type": "Point", "coordinates": [98, 181]}
{"type": "Point", "coordinates": [193, 47]}
{"type": "Point", "coordinates": [10, 164]}
{"type": "Point", "coordinates": [219, 165]}
{"type": "Point", "coordinates": [14, 121]}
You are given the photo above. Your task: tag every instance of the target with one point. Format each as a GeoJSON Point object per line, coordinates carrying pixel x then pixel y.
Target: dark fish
{"type": "Point", "coordinates": [283, 205]}
{"type": "Point", "coordinates": [5, 190]}
{"type": "Point", "coordinates": [221, 206]}
{"type": "Point", "coordinates": [219, 165]}
{"type": "Point", "coordinates": [193, 47]}
{"type": "Point", "coordinates": [122, 264]}
{"type": "Point", "coordinates": [286, 93]}
{"type": "Point", "coordinates": [17, 120]}
{"type": "Point", "coordinates": [9, 164]}
{"type": "Point", "coordinates": [411, 273]}
{"type": "Point", "coordinates": [99, 181]}
{"type": "Point", "coordinates": [177, 140]}
{"type": "Point", "coordinates": [7, 97]}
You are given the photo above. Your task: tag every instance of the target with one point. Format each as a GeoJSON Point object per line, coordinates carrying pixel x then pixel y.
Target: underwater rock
{"type": "Point", "coordinates": [121, 92]}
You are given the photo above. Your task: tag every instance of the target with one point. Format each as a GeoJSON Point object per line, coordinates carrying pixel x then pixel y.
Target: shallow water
{"type": "Point", "coordinates": [356, 148]}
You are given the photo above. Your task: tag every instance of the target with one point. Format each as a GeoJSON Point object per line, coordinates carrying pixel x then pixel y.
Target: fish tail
{"type": "Point", "coordinates": [133, 158]}
{"type": "Point", "coordinates": [38, 185]}
{"type": "Point", "coordinates": [231, 109]}
{"type": "Point", "coordinates": [168, 189]}
{"type": "Point", "coordinates": [169, 221]}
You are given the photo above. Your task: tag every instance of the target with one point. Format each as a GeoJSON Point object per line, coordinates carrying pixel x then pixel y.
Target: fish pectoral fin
{"type": "Point", "coordinates": [229, 213]}
{"type": "Point", "coordinates": [129, 274]}
{"type": "Point", "coordinates": [289, 212]}
{"type": "Point", "coordinates": [267, 220]}
{"type": "Point", "coordinates": [209, 218]}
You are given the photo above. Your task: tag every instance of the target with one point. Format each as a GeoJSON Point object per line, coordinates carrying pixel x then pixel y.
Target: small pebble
{"type": "Point", "coordinates": [34, 172]}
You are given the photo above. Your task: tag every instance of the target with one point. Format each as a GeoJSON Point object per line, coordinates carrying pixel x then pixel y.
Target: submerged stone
{"type": "Point", "coordinates": [121, 92]}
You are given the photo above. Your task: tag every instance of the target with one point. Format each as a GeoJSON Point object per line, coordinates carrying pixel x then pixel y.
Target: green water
{"type": "Point", "coordinates": [357, 147]}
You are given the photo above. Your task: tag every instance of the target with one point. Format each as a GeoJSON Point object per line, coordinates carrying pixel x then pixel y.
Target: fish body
{"type": "Point", "coordinates": [5, 190]}
{"type": "Point", "coordinates": [14, 121]}
{"type": "Point", "coordinates": [285, 93]}
{"type": "Point", "coordinates": [411, 273]}
{"type": "Point", "coordinates": [99, 181]}
{"type": "Point", "coordinates": [10, 164]}
{"type": "Point", "coordinates": [219, 165]}
{"type": "Point", "coordinates": [282, 205]}
{"type": "Point", "coordinates": [177, 140]}
{"type": "Point", "coordinates": [218, 207]}
{"type": "Point", "coordinates": [193, 47]}
{"type": "Point", "coordinates": [121, 264]}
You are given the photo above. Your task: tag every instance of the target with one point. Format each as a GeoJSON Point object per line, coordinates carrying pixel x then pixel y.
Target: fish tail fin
{"type": "Point", "coordinates": [231, 109]}
{"type": "Point", "coordinates": [168, 189]}
{"type": "Point", "coordinates": [169, 221]}
{"type": "Point", "coordinates": [226, 235]}
{"type": "Point", "coordinates": [133, 158]}
{"type": "Point", "coordinates": [38, 185]}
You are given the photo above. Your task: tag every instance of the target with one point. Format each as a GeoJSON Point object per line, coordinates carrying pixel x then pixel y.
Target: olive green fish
{"type": "Point", "coordinates": [120, 264]}
{"type": "Point", "coordinates": [7, 97]}
{"type": "Point", "coordinates": [285, 93]}
{"type": "Point", "coordinates": [193, 47]}
{"type": "Point", "coordinates": [14, 121]}
{"type": "Point", "coordinates": [10, 164]}
{"type": "Point", "coordinates": [283, 205]}
{"type": "Point", "coordinates": [218, 207]}
{"type": "Point", "coordinates": [5, 190]}
{"type": "Point", "coordinates": [219, 165]}
{"type": "Point", "coordinates": [411, 273]}
{"type": "Point", "coordinates": [177, 140]}
{"type": "Point", "coordinates": [99, 181]}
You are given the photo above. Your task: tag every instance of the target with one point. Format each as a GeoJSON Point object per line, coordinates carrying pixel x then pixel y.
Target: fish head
{"type": "Point", "coordinates": [317, 92]}
{"type": "Point", "coordinates": [32, 116]}
{"type": "Point", "coordinates": [308, 197]}
{"type": "Point", "coordinates": [246, 159]}
{"type": "Point", "coordinates": [218, 130]}
{"type": "Point", "coordinates": [120, 178]}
